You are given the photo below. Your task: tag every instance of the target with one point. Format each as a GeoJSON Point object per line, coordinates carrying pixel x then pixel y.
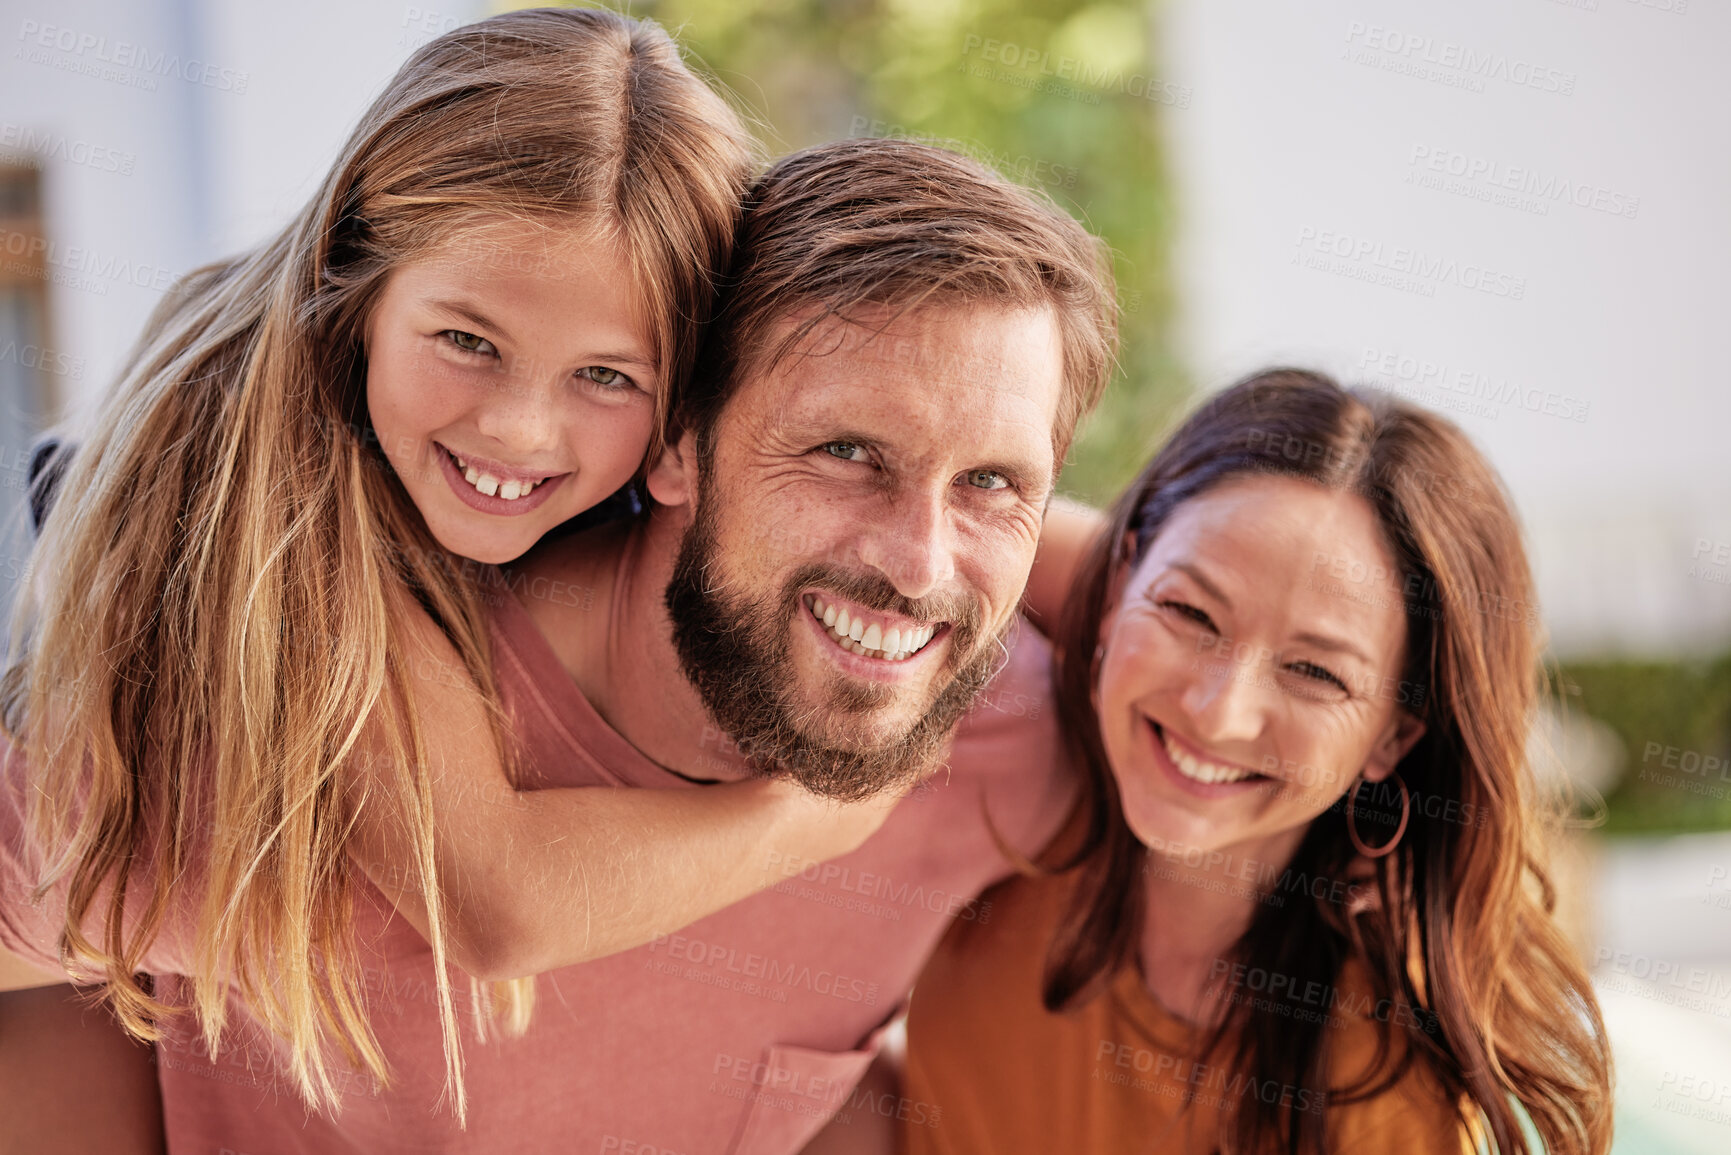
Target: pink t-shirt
{"type": "Point", "coordinates": [743, 1032]}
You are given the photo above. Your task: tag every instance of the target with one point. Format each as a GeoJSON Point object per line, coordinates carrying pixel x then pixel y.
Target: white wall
{"type": "Point", "coordinates": [1308, 134]}
{"type": "Point", "coordinates": [210, 124]}
{"type": "Point", "coordinates": [1286, 136]}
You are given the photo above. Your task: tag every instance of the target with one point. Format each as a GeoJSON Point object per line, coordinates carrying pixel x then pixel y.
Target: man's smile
{"type": "Point", "coordinates": [869, 633]}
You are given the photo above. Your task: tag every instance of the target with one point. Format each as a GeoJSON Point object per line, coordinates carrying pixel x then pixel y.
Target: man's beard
{"type": "Point", "coordinates": [735, 651]}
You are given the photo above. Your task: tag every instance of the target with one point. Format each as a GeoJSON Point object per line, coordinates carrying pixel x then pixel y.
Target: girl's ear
{"type": "Point", "coordinates": [1397, 739]}
{"type": "Point", "coordinates": [672, 479]}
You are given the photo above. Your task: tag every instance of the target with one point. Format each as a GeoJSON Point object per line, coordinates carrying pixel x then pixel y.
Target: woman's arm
{"type": "Point", "coordinates": [870, 1129]}
{"type": "Point", "coordinates": [70, 1078]}
{"type": "Point", "coordinates": [1070, 531]}
{"type": "Point", "coordinates": [538, 879]}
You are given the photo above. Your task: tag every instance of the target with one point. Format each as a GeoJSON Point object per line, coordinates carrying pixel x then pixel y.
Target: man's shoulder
{"type": "Point", "coordinates": [1020, 702]}
{"type": "Point", "coordinates": [1010, 745]}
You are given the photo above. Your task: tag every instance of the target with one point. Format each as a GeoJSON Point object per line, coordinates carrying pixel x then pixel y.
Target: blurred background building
{"type": "Point", "coordinates": [1512, 211]}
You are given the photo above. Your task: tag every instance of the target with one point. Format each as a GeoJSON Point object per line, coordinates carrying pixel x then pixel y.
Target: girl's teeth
{"type": "Point", "coordinates": [491, 486]}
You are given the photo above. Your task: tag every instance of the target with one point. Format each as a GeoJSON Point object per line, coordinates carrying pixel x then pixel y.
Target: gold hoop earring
{"type": "Point", "coordinates": [1352, 830]}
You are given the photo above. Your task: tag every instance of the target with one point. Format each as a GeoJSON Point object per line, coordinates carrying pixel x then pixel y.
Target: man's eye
{"type": "Point", "coordinates": [605, 377]}
{"type": "Point", "coordinates": [468, 342]}
{"type": "Point", "coordinates": [846, 450]}
{"type": "Point", "coordinates": [986, 479]}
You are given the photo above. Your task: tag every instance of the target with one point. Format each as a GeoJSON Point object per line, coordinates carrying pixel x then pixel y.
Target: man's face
{"type": "Point", "coordinates": [865, 518]}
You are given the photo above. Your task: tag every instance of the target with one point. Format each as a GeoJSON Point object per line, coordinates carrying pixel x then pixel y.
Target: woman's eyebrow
{"type": "Point", "coordinates": [1194, 572]}
{"type": "Point", "coordinates": [1332, 645]}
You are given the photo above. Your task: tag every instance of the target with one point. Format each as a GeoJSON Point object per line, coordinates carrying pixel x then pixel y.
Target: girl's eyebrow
{"type": "Point", "coordinates": [470, 314]}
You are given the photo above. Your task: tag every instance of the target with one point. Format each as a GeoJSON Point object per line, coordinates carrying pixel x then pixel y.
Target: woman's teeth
{"type": "Point", "coordinates": [1201, 770]}
{"type": "Point", "coordinates": [491, 486]}
{"type": "Point", "coordinates": [868, 638]}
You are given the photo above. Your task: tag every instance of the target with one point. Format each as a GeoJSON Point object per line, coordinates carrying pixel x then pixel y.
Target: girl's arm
{"type": "Point", "coordinates": [538, 879]}
{"type": "Point", "coordinates": [1070, 531]}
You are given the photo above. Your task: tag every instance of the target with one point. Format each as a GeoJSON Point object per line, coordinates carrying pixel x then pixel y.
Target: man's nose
{"type": "Point", "coordinates": [911, 542]}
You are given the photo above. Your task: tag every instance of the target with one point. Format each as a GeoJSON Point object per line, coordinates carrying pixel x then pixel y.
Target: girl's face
{"type": "Point", "coordinates": [1251, 669]}
{"type": "Point", "coordinates": [511, 383]}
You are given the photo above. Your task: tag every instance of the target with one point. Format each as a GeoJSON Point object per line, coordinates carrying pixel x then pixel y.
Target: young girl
{"type": "Point", "coordinates": [270, 537]}
{"type": "Point", "coordinates": [1309, 912]}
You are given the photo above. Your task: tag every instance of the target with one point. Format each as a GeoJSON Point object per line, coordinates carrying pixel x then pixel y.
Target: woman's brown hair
{"type": "Point", "coordinates": [1461, 938]}
{"type": "Point", "coordinates": [213, 623]}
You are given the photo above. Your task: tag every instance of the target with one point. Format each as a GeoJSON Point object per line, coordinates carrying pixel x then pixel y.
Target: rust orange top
{"type": "Point", "coordinates": [996, 1072]}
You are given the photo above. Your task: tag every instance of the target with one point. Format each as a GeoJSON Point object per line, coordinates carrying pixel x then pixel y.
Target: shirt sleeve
{"type": "Point", "coordinates": [31, 924]}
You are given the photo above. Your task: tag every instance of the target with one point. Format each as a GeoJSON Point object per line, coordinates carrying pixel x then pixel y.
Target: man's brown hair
{"type": "Point", "coordinates": [873, 223]}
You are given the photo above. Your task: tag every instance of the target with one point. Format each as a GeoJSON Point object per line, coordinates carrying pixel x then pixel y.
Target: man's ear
{"type": "Point", "coordinates": [1397, 739]}
{"type": "Point", "coordinates": [672, 478]}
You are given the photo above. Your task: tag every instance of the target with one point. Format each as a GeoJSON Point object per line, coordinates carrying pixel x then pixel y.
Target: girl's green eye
{"type": "Point", "coordinates": [467, 342]}
{"type": "Point", "coordinates": [602, 375]}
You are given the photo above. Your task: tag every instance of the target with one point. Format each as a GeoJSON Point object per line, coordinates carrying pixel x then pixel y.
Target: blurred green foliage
{"type": "Point", "coordinates": [1661, 710]}
{"type": "Point", "coordinates": [1061, 95]}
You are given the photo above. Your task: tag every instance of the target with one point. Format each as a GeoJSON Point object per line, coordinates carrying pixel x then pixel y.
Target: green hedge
{"type": "Point", "coordinates": [1675, 722]}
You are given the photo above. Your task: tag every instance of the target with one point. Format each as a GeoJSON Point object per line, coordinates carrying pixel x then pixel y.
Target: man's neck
{"type": "Point", "coordinates": [620, 650]}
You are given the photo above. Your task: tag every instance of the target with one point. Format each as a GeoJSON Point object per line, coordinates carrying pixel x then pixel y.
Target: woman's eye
{"type": "Point", "coordinates": [468, 342]}
{"type": "Point", "coordinates": [1185, 610]}
{"type": "Point", "coordinates": [605, 377]}
{"type": "Point", "coordinates": [1316, 673]}
{"type": "Point", "coordinates": [986, 479]}
{"type": "Point", "coordinates": [846, 450]}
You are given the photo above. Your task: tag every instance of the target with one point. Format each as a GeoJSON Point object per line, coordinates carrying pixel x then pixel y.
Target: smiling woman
{"type": "Point", "coordinates": [1304, 907]}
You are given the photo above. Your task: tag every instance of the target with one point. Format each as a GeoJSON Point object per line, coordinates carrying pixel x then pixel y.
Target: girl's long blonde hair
{"type": "Point", "coordinates": [206, 631]}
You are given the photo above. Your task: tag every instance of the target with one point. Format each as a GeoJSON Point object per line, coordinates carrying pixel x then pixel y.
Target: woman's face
{"type": "Point", "coordinates": [1251, 669]}
{"type": "Point", "coordinates": [511, 383]}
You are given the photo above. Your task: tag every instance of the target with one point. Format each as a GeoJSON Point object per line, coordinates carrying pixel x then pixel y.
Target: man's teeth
{"type": "Point", "coordinates": [1198, 769]}
{"type": "Point", "coordinates": [492, 486]}
{"type": "Point", "coordinates": [870, 639]}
